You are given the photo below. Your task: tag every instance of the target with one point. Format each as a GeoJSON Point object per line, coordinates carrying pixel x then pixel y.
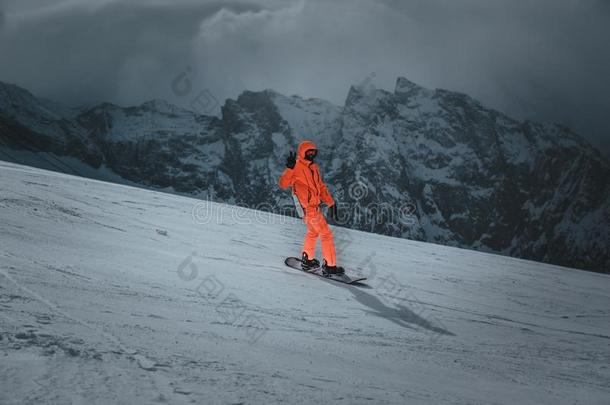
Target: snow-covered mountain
{"type": "Point", "coordinates": [429, 165]}
{"type": "Point", "coordinates": [119, 295]}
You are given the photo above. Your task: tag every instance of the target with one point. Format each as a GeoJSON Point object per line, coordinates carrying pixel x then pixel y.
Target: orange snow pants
{"type": "Point", "coordinates": [317, 226]}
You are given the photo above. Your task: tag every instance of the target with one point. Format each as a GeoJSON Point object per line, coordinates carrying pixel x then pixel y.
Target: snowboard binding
{"type": "Point", "coordinates": [330, 270]}
{"type": "Point", "coordinates": [307, 264]}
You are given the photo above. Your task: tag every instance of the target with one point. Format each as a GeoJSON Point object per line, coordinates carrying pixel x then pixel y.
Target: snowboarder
{"type": "Point", "coordinates": [303, 176]}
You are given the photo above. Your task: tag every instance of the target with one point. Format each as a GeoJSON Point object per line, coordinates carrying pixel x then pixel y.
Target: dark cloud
{"type": "Point", "coordinates": [126, 52]}
{"type": "Point", "coordinates": [544, 60]}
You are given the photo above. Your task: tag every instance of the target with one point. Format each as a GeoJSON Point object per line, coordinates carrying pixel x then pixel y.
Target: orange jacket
{"type": "Point", "coordinates": [305, 180]}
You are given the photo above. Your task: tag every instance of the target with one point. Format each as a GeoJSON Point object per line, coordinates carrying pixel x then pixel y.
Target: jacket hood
{"type": "Point", "coordinates": [304, 147]}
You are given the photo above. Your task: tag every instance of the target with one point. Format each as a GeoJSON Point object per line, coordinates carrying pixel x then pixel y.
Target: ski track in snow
{"type": "Point", "coordinates": [113, 294]}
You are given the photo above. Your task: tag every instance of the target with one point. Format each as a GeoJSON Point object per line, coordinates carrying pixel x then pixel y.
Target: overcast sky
{"type": "Point", "coordinates": [546, 60]}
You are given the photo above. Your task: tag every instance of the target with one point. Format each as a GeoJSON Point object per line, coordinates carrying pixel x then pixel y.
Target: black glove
{"type": "Point", "coordinates": [291, 160]}
{"type": "Point", "coordinates": [332, 212]}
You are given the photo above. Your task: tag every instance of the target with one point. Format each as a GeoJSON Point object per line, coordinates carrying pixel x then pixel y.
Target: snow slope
{"type": "Point", "coordinates": [114, 294]}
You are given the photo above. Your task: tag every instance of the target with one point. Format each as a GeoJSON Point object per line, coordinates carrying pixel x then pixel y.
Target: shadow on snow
{"type": "Point", "coordinates": [399, 314]}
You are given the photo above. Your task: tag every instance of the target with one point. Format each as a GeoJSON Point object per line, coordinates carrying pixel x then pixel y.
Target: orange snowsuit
{"type": "Point", "coordinates": [310, 190]}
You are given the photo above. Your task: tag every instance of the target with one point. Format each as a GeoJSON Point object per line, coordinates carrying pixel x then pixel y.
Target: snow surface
{"type": "Point", "coordinates": [115, 294]}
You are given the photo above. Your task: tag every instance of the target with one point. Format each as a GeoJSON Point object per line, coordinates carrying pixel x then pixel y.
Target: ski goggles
{"type": "Point", "coordinates": [310, 154]}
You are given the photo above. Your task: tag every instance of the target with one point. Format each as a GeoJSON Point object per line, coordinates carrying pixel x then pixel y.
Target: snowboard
{"type": "Point", "coordinates": [295, 263]}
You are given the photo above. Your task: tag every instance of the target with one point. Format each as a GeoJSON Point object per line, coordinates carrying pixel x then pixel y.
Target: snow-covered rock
{"type": "Point", "coordinates": [429, 165]}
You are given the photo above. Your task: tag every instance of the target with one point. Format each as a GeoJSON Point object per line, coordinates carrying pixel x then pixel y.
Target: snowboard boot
{"type": "Point", "coordinates": [307, 264]}
{"type": "Point", "coordinates": [326, 269]}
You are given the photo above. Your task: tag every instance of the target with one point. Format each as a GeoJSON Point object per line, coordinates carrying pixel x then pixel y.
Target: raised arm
{"type": "Point", "coordinates": [287, 178]}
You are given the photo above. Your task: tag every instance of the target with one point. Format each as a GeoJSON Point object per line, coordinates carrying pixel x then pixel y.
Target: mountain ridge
{"type": "Point", "coordinates": [471, 176]}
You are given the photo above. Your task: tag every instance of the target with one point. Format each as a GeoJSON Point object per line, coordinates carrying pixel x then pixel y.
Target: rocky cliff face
{"type": "Point", "coordinates": [430, 165]}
